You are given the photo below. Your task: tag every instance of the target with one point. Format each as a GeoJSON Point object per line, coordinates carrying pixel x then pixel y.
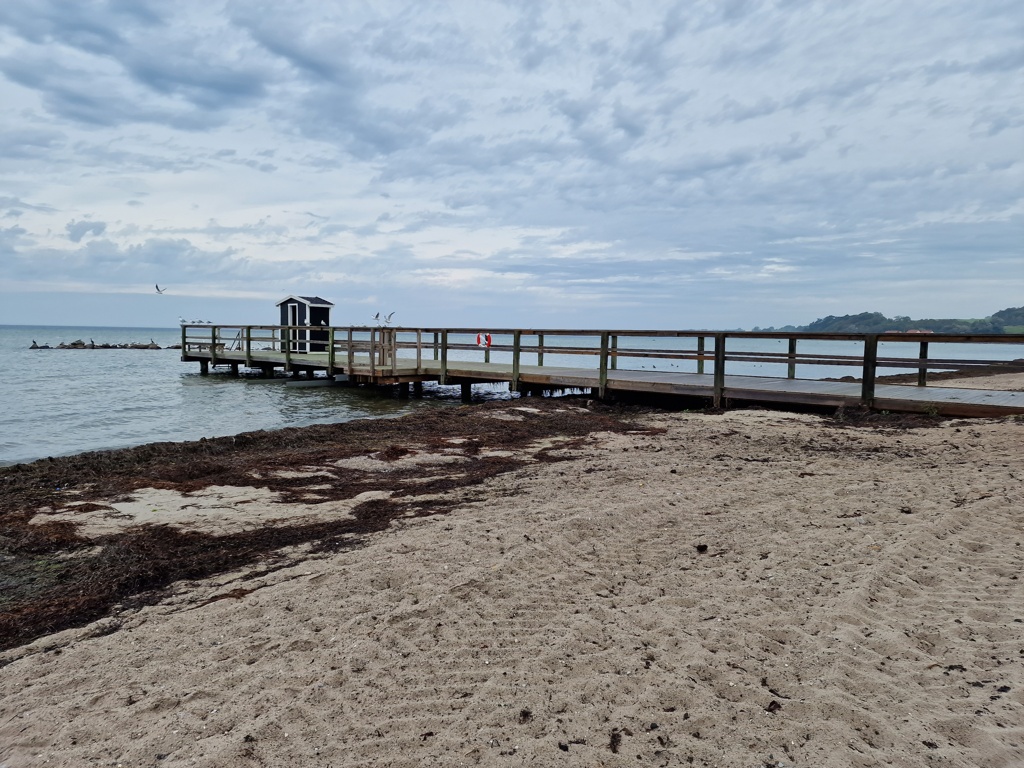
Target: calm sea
{"type": "Point", "coordinates": [55, 402]}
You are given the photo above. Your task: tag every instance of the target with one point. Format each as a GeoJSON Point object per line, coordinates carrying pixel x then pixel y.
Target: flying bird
{"type": "Point", "coordinates": [159, 289]}
{"type": "Point", "coordinates": [387, 318]}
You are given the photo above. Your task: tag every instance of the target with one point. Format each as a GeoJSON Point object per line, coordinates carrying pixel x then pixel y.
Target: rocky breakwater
{"type": "Point", "coordinates": [79, 344]}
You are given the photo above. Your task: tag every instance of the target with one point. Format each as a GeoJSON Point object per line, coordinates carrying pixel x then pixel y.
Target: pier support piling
{"type": "Point", "coordinates": [467, 391]}
{"type": "Point", "coordinates": [204, 367]}
{"type": "Point", "coordinates": [417, 389]}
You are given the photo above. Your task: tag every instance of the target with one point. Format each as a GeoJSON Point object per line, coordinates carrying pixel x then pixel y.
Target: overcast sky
{"type": "Point", "coordinates": [601, 164]}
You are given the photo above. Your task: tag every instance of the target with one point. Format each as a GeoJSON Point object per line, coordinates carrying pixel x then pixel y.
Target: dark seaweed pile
{"type": "Point", "coordinates": [53, 579]}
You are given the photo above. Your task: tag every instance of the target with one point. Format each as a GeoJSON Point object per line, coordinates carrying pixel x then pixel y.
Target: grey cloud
{"type": "Point", "coordinates": [10, 238]}
{"type": "Point", "coordinates": [79, 25]}
{"type": "Point", "coordinates": [186, 79]}
{"type": "Point", "coordinates": [750, 54]}
{"type": "Point", "coordinates": [992, 122]}
{"type": "Point", "coordinates": [735, 112]}
{"type": "Point", "coordinates": [30, 143]}
{"type": "Point", "coordinates": [102, 260]}
{"type": "Point", "coordinates": [320, 60]}
{"type": "Point", "coordinates": [1010, 60]}
{"type": "Point", "coordinates": [529, 44]}
{"type": "Point", "coordinates": [14, 206]}
{"type": "Point", "coordinates": [630, 122]}
{"type": "Point", "coordinates": [81, 97]}
{"type": "Point", "coordinates": [78, 229]}
{"type": "Point", "coordinates": [442, 42]}
{"type": "Point", "coordinates": [145, 11]}
{"type": "Point", "coordinates": [837, 92]}
{"type": "Point", "coordinates": [369, 131]}
{"type": "Point", "coordinates": [205, 83]}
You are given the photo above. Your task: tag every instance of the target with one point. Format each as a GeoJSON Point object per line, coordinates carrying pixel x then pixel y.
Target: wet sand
{"type": "Point", "coordinates": [751, 588]}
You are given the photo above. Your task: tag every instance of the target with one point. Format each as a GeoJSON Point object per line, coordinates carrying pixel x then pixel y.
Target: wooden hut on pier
{"type": "Point", "coordinates": [311, 311]}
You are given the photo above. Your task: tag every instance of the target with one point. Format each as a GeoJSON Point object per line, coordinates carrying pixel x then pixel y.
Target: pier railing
{"type": "Point", "coordinates": [384, 351]}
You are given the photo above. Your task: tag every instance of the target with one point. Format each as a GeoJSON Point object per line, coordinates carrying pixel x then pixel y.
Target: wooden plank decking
{"type": "Point", "coordinates": [390, 369]}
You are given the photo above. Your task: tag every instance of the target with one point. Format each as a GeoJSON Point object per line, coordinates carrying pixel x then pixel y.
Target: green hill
{"type": "Point", "coordinates": [1010, 320]}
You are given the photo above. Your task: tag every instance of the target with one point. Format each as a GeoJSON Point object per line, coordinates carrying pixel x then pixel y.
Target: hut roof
{"type": "Point", "coordinates": [313, 301]}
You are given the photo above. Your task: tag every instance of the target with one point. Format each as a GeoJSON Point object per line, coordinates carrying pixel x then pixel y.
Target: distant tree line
{"type": "Point", "coordinates": [1010, 320]}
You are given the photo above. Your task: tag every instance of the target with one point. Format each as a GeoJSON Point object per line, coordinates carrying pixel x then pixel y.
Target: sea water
{"type": "Point", "coordinates": [61, 401]}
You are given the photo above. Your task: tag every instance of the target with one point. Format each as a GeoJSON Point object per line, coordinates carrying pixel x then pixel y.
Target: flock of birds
{"type": "Point", "coordinates": [183, 321]}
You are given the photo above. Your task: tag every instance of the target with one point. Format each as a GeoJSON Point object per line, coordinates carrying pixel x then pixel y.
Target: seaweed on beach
{"type": "Point", "coordinates": [868, 418]}
{"type": "Point", "coordinates": [51, 578]}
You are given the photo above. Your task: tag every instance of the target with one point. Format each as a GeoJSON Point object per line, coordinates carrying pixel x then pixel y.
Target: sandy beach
{"type": "Point", "coordinates": [546, 582]}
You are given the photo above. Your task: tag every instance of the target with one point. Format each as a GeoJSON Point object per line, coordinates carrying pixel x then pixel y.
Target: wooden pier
{"type": "Point", "coordinates": [680, 363]}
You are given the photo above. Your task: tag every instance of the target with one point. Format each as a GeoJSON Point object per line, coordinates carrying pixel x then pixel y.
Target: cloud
{"type": "Point", "coordinates": [109, 64]}
{"type": "Point", "coordinates": [79, 229]}
{"type": "Point", "coordinates": [13, 207]}
{"type": "Point", "coordinates": [688, 162]}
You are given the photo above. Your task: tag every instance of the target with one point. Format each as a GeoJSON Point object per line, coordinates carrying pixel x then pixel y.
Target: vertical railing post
{"type": "Point", "coordinates": [700, 354]}
{"type": "Point", "coordinates": [419, 351]}
{"type": "Point", "coordinates": [922, 368]}
{"type": "Point", "coordinates": [719, 392]}
{"type": "Point", "coordinates": [213, 345]}
{"type": "Point", "coordinates": [373, 352]}
{"type": "Point", "coordinates": [615, 349]}
{"type": "Point", "coordinates": [540, 350]}
{"type": "Point", "coordinates": [394, 352]}
{"type": "Point", "coordinates": [350, 353]}
{"type": "Point", "coordinates": [791, 368]}
{"type": "Point", "coordinates": [487, 348]}
{"type": "Point", "coordinates": [248, 346]}
{"type": "Point", "coordinates": [517, 339]}
{"type": "Point", "coordinates": [867, 386]}
{"type": "Point", "coordinates": [286, 345]}
{"type": "Point", "coordinates": [330, 351]}
{"type": "Point", "coordinates": [184, 340]}
{"type": "Point", "coordinates": [602, 376]}
{"type": "Point", "coordinates": [444, 356]}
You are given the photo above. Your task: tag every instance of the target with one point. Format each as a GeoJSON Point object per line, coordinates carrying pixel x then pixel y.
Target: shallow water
{"type": "Point", "coordinates": [57, 402]}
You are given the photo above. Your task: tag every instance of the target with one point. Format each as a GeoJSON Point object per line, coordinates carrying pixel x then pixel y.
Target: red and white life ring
{"type": "Point", "coordinates": [483, 339]}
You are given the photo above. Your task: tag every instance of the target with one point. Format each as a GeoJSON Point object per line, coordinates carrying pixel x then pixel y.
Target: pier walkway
{"type": "Point", "coordinates": [610, 363]}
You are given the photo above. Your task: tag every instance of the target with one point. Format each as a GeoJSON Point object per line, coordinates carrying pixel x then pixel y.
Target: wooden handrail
{"type": "Point", "coordinates": [382, 347]}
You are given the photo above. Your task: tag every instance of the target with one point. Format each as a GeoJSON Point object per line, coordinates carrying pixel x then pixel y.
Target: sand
{"type": "Point", "coordinates": [751, 588]}
{"type": "Point", "coordinates": [1000, 381]}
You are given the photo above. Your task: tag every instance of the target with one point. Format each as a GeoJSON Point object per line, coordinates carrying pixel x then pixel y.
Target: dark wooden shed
{"type": "Point", "coordinates": [311, 311]}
